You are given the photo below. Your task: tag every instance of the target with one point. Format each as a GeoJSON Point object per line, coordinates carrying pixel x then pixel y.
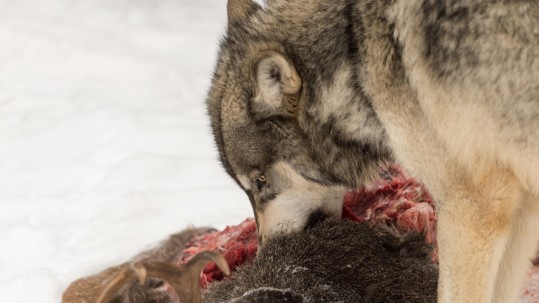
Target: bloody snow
{"type": "Point", "coordinates": [396, 200]}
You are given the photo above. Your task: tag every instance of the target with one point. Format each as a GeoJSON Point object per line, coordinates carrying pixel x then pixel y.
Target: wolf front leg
{"type": "Point", "coordinates": [476, 218]}
{"type": "Point", "coordinates": [521, 249]}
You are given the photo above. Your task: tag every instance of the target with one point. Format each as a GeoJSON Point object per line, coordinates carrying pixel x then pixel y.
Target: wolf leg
{"type": "Point", "coordinates": [475, 220]}
{"type": "Point", "coordinates": [521, 248]}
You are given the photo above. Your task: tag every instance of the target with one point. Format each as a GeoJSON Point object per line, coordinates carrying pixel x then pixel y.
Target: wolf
{"type": "Point", "coordinates": [311, 98]}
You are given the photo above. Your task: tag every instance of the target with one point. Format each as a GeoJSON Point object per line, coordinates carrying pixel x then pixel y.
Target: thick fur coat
{"type": "Point", "coordinates": [312, 97]}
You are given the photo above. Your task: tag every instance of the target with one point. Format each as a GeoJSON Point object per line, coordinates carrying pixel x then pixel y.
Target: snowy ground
{"type": "Point", "coordinates": [105, 146]}
{"type": "Point", "coordinates": [104, 142]}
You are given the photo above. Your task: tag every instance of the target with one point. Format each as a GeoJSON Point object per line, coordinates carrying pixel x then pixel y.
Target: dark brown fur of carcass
{"type": "Point", "coordinates": [336, 261]}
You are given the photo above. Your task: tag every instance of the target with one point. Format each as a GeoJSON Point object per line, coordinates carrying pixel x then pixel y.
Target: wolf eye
{"type": "Point", "coordinates": [260, 182]}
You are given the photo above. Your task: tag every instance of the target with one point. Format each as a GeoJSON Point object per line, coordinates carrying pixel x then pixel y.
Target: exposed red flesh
{"type": "Point", "coordinates": [396, 200]}
{"type": "Point", "coordinates": [238, 244]}
{"type": "Point", "coordinates": [531, 288]}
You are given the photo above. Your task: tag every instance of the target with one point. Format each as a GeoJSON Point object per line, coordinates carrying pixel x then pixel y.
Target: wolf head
{"type": "Point", "coordinates": [287, 110]}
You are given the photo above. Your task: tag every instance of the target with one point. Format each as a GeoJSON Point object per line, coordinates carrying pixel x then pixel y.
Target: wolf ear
{"type": "Point", "coordinates": [236, 9]}
{"type": "Point", "coordinates": [278, 85]}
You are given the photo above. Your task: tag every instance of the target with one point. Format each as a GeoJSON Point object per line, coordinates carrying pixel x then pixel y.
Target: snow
{"type": "Point", "coordinates": [105, 146]}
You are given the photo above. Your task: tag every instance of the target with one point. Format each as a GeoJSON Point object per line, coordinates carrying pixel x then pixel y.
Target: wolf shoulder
{"type": "Point", "coordinates": [475, 52]}
{"type": "Point", "coordinates": [467, 69]}
{"type": "Point", "coordinates": [452, 37]}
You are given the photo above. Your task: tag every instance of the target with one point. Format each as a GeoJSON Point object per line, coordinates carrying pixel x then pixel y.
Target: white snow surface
{"type": "Point", "coordinates": [105, 145]}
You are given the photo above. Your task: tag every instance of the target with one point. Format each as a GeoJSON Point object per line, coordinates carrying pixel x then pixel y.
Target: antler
{"type": "Point", "coordinates": [184, 279]}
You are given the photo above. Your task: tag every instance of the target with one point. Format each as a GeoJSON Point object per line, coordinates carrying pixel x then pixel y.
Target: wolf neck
{"type": "Point", "coordinates": [338, 116]}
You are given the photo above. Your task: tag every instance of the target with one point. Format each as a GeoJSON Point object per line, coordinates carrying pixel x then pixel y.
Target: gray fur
{"type": "Point", "coordinates": [321, 150]}
{"type": "Point", "coordinates": [447, 88]}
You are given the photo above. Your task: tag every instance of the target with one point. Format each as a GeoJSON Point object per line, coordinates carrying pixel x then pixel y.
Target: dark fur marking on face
{"type": "Point", "coordinates": [267, 197]}
{"type": "Point", "coordinates": [343, 163]}
{"type": "Point", "coordinates": [315, 217]}
{"type": "Point", "coordinates": [276, 125]}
